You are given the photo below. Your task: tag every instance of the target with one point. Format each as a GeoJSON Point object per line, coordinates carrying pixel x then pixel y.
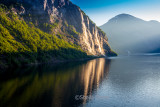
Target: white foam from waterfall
{"type": "Point", "coordinates": [85, 37]}
{"type": "Point", "coordinates": [88, 38]}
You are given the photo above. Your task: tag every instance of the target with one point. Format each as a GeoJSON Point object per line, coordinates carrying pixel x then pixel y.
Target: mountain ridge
{"type": "Point", "coordinates": [129, 33]}
{"type": "Point", "coordinates": [59, 20]}
{"type": "Point", "coordinates": [65, 12]}
{"type": "Point", "coordinates": [125, 15]}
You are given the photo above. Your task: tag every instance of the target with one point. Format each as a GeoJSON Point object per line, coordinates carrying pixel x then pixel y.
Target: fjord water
{"type": "Point", "coordinates": [129, 81]}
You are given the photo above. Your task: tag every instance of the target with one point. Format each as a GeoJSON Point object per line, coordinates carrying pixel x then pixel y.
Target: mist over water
{"type": "Point", "coordinates": [120, 81]}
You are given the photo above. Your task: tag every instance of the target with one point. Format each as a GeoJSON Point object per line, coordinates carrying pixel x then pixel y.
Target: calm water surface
{"type": "Point", "coordinates": [131, 81]}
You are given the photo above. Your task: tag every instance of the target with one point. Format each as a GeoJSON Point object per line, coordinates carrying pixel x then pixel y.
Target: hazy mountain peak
{"type": "Point", "coordinates": [124, 18]}
{"type": "Point", "coordinates": [129, 33]}
{"type": "Point", "coordinates": [124, 15]}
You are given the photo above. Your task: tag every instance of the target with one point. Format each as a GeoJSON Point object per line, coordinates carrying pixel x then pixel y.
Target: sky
{"type": "Point", "coordinates": [100, 11]}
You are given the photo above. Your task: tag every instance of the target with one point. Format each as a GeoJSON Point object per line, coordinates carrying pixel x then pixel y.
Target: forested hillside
{"type": "Point", "coordinates": [22, 43]}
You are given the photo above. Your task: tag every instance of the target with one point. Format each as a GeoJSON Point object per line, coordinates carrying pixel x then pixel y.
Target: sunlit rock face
{"type": "Point", "coordinates": [90, 37]}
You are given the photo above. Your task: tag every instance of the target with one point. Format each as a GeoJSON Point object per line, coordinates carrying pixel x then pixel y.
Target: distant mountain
{"type": "Point", "coordinates": [127, 33]}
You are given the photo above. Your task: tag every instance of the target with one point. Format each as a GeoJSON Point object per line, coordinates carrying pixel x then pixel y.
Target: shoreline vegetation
{"type": "Point", "coordinates": [22, 43]}
{"type": "Point", "coordinates": [57, 61]}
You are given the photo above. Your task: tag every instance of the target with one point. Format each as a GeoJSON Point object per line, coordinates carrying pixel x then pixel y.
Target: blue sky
{"type": "Point", "coordinates": [100, 11]}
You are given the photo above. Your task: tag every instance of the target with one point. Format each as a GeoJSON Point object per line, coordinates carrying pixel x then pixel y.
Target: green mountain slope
{"type": "Point", "coordinates": [22, 43]}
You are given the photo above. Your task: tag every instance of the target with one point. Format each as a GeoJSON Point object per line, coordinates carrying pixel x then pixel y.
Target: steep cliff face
{"type": "Point", "coordinates": [89, 36]}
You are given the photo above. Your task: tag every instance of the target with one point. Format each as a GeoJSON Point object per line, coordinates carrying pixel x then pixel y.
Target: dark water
{"type": "Point", "coordinates": [132, 81]}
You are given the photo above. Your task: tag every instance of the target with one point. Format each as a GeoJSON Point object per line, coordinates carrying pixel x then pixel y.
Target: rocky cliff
{"type": "Point", "coordinates": [66, 14]}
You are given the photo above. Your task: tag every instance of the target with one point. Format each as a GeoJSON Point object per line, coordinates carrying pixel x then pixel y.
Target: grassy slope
{"type": "Point", "coordinates": [22, 43]}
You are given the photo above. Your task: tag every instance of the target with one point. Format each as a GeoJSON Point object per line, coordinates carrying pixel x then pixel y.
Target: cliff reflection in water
{"type": "Point", "coordinates": [52, 85]}
{"type": "Point", "coordinates": [92, 74]}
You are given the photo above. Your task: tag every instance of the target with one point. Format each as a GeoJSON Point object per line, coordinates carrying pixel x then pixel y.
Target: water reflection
{"type": "Point", "coordinates": [133, 81]}
{"type": "Point", "coordinates": [92, 74]}
{"type": "Point", "coordinates": [52, 86]}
